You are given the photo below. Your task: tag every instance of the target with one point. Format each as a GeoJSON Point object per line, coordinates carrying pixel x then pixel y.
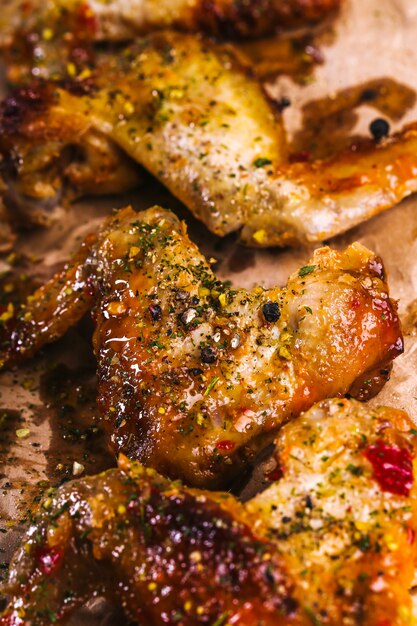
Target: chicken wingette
{"type": "Point", "coordinates": [195, 377]}
{"type": "Point", "coordinates": [330, 542]}
{"type": "Point", "coordinates": [186, 110]}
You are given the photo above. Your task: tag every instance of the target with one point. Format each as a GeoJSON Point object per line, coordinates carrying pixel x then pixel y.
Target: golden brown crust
{"type": "Point", "coordinates": [330, 542]}
{"type": "Point", "coordinates": [189, 364]}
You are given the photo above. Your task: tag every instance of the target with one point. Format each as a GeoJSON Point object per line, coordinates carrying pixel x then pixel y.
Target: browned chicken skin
{"type": "Point", "coordinates": [195, 377]}
{"type": "Point", "coordinates": [186, 110]}
{"type": "Point", "coordinates": [330, 542]}
{"type": "Point", "coordinates": [58, 37]}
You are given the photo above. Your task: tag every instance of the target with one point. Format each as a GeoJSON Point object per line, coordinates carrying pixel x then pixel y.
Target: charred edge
{"type": "Point", "coordinates": [27, 103]}
{"type": "Point", "coordinates": [297, 12]}
{"type": "Point", "coordinates": [238, 18]}
{"type": "Point", "coordinates": [19, 107]}
{"type": "Point", "coordinates": [78, 87]}
{"type": "Point", "coordinates": [231, 544]}
{"type": "Point", "coordinates": [243, 18]}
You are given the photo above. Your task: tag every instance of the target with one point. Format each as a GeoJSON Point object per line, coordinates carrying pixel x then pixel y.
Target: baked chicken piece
{"type": "Point", "coordinates": [57, 38]}
{"type": "Point", "coordinates": [38, 22]}
{"type": "Point", "coordinates": [195, 377]}
{"type": "Point", "coordinates": [186, 110]}
{"type": "Point", "coordinates": [331, 542]}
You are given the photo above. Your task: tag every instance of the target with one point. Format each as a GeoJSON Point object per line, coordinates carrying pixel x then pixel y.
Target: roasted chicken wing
{"type": "Point", "coordinates": [331, 542]}
{"type": "Point", "coordinates": [195, 377]}
{"type": "Point", "coordinates": [64, 29]}
{"type": "Point", "coordinates": [186, 110]}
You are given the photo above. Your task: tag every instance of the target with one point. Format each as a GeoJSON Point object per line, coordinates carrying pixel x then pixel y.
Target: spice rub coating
{"type": "Point", "coordinates": [195, 377]}
{"type": "Point", "coordinates": [331, 541]}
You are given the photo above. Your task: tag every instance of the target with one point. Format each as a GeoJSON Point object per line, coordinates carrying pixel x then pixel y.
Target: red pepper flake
{"type": "Point", "coordinates": [49, 559]}
{"type": "Point", "coordinates": [275, 474]}
{"type": "Point", "coordinates": [393, 467]}
{"type": "Point", "coordinates": [86, 18]}
{"type": "Point", "coordinates": [300, 157]}
{"type": "Point", "coordinates": [225, 446]}
{"type": "Point", "coordinates": [356, 302]}
{"type": "Point", "coordinates": [411, 535]}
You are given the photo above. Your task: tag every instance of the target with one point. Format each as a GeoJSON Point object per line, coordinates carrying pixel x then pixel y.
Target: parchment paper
{"type": "Point", "coordinates": [371, 39]}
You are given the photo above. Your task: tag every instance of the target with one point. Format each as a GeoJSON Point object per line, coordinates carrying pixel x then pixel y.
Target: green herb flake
{"type": "Point", "coordinates": [211, 385]}
{"type": "Point", "coordinates": [315, 620]}
{"type": "Point", "coordinates": [307, 269]}
{"type": "Point", "coordinates": [222, 619]}
{"type": "Point", "coordinates": [356, 470]}
{"type": "Point", "coordinates": [261, 162]}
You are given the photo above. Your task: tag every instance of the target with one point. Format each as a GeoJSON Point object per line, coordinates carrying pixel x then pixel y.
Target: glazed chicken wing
{"type": "Point", "coordinates": [195, 377]}
{"type": "Point", "coordinates": [120, 20]}
{"type": "Point", "coordinates": [331, 542]}
{"type": "Point", "coordinates": [186, 110]}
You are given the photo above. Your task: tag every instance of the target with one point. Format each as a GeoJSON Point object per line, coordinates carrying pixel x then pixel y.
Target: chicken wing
{"type": "Point", "coordinates": [186, 110]}
{"type": "Point", "coordinates": [120, 20]}
{"type": "Point", "coordinates": [195, 377]}
{"type": "Point", "coordinates": [331, 542]}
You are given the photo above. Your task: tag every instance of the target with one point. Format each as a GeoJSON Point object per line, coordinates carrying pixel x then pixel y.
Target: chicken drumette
{"type": "Point", "coordinates": [331, 542]}
{"type": "Point", "coordinates": [185, 109]}
{"type": "Point", "coordinates": [195, 377]}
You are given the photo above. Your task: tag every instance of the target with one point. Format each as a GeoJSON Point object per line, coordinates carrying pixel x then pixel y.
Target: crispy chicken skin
{"type": "Point", "coordinates": [195, 377]}
{"type": "Point", "coordinates": [331, 542]}
{"type": "Point", "coordinates": [186, 110]}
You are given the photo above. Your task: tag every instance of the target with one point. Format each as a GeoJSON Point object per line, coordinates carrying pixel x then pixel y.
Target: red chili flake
{"type": "Point", "coordinates": [49, 559]}
{"type": "Point", "coordinates": [225, 446]}
{"type": "Point", "coordinates": [87, 19]}
{"type": "Point", "coordinates": [393, 467]}
{"type": "Point", "coordinates": [356, 302]}
{"type": "Point", "coordinates": [411, 535]}
{"type": "Point", "coordinates": [300, 157]}
{"type": "Point", "coordinates": [275, 474]}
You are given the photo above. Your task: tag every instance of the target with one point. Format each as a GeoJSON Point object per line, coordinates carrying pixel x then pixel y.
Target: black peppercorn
{"type": "Point", "coordinates": [379, 129]}
{"type": "Point", "coordinates": [195, 371]}
{"type": "Point", "coordinates": [156, 312]}
{"type": "Point", "coordinates": [208, 355]}
{"type": "Point", "coordinates": [271, 312]}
